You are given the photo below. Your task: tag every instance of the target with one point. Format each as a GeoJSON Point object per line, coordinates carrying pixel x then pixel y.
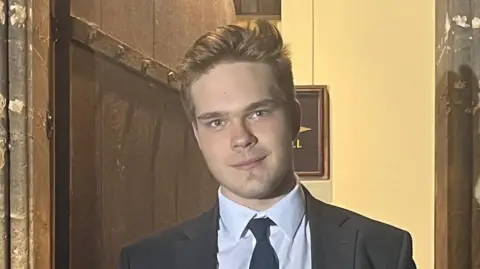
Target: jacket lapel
{"type": "Point", "coordinates": [333, 241]}
{"type": "Point", "coordinates": [199, 249]}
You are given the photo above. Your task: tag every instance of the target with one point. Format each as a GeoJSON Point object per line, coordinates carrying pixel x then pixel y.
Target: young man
{"type": "Point", "coordinates": [237, 88]}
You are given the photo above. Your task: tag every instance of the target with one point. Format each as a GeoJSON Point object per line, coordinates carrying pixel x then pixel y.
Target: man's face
{"type": "Point", "coordinates": [244, 129]}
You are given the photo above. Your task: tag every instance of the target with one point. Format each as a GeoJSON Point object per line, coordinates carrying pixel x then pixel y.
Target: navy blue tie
{"type": "Point", "coordinates": [264, 256]}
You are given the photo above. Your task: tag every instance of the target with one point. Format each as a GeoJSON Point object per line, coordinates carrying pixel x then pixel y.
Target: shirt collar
{"type": "Point", "coordinates": [286, 213]}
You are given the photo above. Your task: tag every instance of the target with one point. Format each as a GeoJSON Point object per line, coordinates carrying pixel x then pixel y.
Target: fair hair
{"type": "Point", "coordinates": [258, 41]}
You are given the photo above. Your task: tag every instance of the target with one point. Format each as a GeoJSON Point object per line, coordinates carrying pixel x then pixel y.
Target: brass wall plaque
{"type": "Point", "coordinates": [311, 148]}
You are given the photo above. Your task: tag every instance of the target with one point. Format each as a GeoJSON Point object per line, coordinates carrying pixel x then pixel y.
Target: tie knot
{"type": "Point", "coordinates": [260, 228]}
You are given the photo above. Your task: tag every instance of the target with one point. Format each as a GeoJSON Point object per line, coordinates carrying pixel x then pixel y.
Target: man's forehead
{"type": "Point", "coordinates": [231, 105]}
{"type": "Point", "coordinates": [233, 75]}
{"type": "Point", "coordinates": [233, 87]}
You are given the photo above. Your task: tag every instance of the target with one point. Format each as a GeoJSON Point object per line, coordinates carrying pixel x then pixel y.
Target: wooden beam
{"type": "Point", "coordinates": [457, 70]}
{"type": "Point", "coordinates": [99, 41]}
{"type": "Point", "coordinates": [475, 83]}
{"type": "Point", "coordinates": [25, 204]}
{"type": "Point", "coordinates": [4, 186]}
{"type": "Point", "coordinates": [39, 152]}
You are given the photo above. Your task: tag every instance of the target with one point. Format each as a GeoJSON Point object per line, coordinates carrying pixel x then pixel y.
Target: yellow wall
{"type": "Point", "coordinates": [377, 58]}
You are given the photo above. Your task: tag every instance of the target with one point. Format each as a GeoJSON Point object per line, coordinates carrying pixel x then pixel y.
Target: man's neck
{"type": "Point", "coordinates": [263, 204]}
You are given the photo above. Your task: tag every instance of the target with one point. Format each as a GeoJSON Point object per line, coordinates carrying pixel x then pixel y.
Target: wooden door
{"type": "Point", "coordinates": [134, 166]}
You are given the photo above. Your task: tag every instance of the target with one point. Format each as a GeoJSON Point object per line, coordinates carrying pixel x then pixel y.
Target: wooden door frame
{"type": "Point", "coordinates": [60, 59]}
{"type": "Point", "coordinates": [28, 191]}
{"type": "Point", "coordinates": [455, 86]}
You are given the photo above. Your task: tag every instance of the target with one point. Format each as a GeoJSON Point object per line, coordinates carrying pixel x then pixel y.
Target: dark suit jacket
{"type": "Point", "coordinates": [340, 239]}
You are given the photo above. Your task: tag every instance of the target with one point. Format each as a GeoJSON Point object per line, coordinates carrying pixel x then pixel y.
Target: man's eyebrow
{"type": "Point", "coordinates": [250, 107]}
{"type": "Point", "coordinates": [211, 115]}
{"type": "Point", "coordinates": [262, 103]}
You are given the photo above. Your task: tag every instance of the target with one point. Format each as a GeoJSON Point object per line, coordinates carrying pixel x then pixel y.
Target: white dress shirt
{"type": "Point", "coordinates": [290, 237]}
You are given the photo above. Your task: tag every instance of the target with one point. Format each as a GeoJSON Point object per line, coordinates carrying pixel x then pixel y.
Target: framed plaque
{"type": "Point", "coordinates": [311, 148]}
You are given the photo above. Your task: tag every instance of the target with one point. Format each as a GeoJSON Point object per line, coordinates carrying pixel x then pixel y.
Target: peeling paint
{"type": "Point", "coordinates": [2, 13]}
{"type": "Point", "coordinates": [475, 109]}
{"type": "Point", "coordinates": [460, 84]}
{"type": "Point", "coordinates": [443, 40]}
{"type": "Point", "coordinates": [3, 103]}
{"type": "Point", "coordinates": [16, 106]}
{"type": "Point", "coordinates": [476, 23]}
{"type": "Point", "coordinates": [2, 153]}
{"type": "Point", "coordinates": [17, 216]}
{"type": "Point", "coordinates": [461, 21]}
{"type": "Point", "coordinates": [477, 190]}
{"type": "Point", "coordinates": [18, 16]}
{"type": "Point", "coordinates": [448, 26]}
{"type": "Point", "coordinates": [444, 49]}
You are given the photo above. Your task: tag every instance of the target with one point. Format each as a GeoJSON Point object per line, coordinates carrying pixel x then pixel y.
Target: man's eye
{"type": "Point", "coordinates": [259, 113]}
{"type": "Point", "coordinates": [215, 123]}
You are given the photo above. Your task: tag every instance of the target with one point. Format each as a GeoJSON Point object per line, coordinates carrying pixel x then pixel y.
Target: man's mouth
{"type": "Point", "coordinates": [249, 164]}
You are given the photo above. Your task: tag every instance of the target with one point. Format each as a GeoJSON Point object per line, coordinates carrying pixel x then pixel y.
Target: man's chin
{"type": "Point", "coordinates": [258, 191]}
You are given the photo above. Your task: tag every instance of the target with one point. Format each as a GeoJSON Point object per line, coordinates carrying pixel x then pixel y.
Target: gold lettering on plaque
{"type": "Point", "coordinates": [297, 144]}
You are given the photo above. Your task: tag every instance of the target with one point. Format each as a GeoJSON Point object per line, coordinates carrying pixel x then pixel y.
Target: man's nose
{"type": "Point", "coordinates": [242, 136]}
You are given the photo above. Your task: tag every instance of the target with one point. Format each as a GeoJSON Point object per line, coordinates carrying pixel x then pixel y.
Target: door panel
{"type": "Point", "coordinates": [136, 167]}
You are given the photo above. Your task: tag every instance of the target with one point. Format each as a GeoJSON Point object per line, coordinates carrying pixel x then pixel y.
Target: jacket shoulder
{"type": "Point", "coordinates": [379, 244]}
{"type": "Point", "coordinates": [374, 228]}
{"type": "Point", "coordinates": [156, 248]}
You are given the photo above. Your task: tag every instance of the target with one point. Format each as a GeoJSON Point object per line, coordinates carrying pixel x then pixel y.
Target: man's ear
{"type": "Point", "coordinates": [296, 118]}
